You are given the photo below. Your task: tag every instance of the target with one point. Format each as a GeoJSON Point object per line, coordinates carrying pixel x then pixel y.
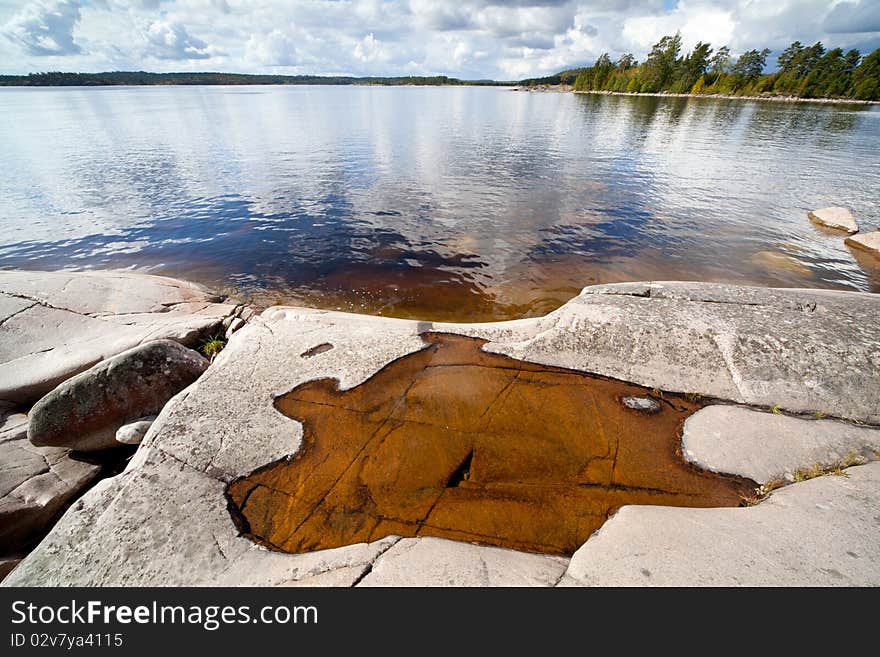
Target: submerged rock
{"type": "Point", "coordinates": [641, 403]}
{"type": "Point", "coordinates": [779, 261]}
{"type": "Point", "coordinates": [836, 218]}
{"type": "Point", "coordinates": [869, 242]}
{"type": "Point", "coordinates": [85, 411]}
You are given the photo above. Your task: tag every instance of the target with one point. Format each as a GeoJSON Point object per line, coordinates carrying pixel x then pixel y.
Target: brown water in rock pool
{"type": "Point", "coordinates": [462, 444]}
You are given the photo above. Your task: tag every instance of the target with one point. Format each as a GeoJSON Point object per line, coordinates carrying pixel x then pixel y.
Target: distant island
{"type": "Point", "coordinates": [116, 78]}
{"type": "Point", "coordinates": [809, 72]}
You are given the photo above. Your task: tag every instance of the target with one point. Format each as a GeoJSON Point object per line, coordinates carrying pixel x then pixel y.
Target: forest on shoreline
{"type": "Point", "coordinates": [803, 72]}
{"type": "Point", "coordinates": [119, 78]}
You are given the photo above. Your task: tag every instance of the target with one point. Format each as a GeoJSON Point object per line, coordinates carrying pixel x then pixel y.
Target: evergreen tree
{"type": "Point", "coordinates": [660, 67]}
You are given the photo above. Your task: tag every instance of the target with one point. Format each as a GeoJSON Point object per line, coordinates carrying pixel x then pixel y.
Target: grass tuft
{"type": "Point", "coordinates": [804, 474]}
{"type": "Point", "coordinates": [212, 345]}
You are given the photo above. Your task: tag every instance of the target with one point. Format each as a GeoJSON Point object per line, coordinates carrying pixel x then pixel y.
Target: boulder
{"type": "Point", "coordinates": [85, 411]}
{"type": "Point", "coordinates": [133, 432]}
{"type": "Point", "coordinates": [54, 325]}
{"type": "Point", "coordinates": [869, 242]}
{"type": "Point", "coordinates": [36, 483]}
{"type": "Point", "coordinates": [836, 218]}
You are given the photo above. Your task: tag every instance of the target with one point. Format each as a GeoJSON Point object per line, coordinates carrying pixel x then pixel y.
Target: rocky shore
{"type": "Point", "coordinates": [775, 99]}
{"type": "Point", "coordinates": [785, 382]}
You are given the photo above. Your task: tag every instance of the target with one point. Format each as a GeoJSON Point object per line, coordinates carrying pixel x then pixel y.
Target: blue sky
{"type": "Point", "coordinates": [470, 39]}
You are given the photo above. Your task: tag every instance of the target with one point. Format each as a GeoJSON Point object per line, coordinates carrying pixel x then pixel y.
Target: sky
{"type": "Point", "coordinates": [472, 39]}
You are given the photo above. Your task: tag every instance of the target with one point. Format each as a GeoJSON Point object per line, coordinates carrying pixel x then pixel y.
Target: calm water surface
{"type": "Point", "coordinates": [462, 203]}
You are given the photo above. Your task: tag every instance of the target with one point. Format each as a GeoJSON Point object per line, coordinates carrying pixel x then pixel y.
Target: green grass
{"type": "Point", "coordinates": [805, 474]}
{"type": "Point", "coordinates": [212, 345]}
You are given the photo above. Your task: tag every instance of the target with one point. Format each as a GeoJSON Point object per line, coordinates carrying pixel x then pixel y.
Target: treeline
{"type": "Point", "coordinates": [563, 77]}
{"type": "Point", "coordinates": [803, 71]}
{"type": "Point", "coordinates": [60, 79]}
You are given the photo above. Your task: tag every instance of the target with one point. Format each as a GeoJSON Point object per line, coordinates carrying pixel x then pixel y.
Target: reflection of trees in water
{"type": "Point", "coordinates": [511, 204]}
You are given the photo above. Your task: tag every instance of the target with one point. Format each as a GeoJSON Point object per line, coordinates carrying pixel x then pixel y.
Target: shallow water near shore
{"type": "Point", "coordinates": [441, 203]}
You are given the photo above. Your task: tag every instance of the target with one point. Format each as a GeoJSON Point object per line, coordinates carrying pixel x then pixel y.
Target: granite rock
{"type": "Point", "coordinates": [85, 411]}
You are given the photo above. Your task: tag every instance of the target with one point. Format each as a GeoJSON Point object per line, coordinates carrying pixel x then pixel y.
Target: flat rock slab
{"type": "Point", "coordinates": [54, 325]}
{"type": "Point", "coordinates": [35, 484]}
{"type": "Point", "coordinates": [767, 447]}
{"type": "Point", "coordinates": [439, 562]}
{"type": "Point", "coordinates": [821, 532]}
{"type": "Point", "coordinates": [869, 242]}
{"type": "Point", "coordinates": [802, 350]}
{"type": "Point", "coordinates": [85, 411]}
{"type": "Point", "coordinates": [165, 519]}
{"type": "Point", "coordinates": [835, 217]}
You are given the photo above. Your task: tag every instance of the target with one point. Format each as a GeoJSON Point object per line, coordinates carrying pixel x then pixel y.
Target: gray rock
{"type": "Point", "coordinates": [7, 565]}
{"type": "Point", "coordinates": [133, 432]}
{"type": "Point", "coordinates": [56, 324]}
{"type": "Point", "coordinates": [869, 242]}
{"type": "Point", "coordinates": [837, 218]}
{"type": "Point", "coordinates": [234, 325]}
{"type": "Point", "coordinates": [643, 404]}
{"type": "Point", "coordinates": [85, 411]}
{"type": "Point", "coordinates": [165, 520]}
{"type": "Point", "coordinates": [438, 562]}
{"type": "Point", "coordinates": [35, 484]}
{"type": "Point", "coordinates": [13, 427]}
{"type": "Point", "coordinates": [803, 350]}
{"type": "Point", "coordinates": [821, 532]}
{"type": "Point", "coordinates": [766, 447]}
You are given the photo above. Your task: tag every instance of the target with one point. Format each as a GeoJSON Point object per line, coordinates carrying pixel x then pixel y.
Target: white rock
{"type": "Point", "coordinates": [821, 532]}
{"type": "Point", "coordinates": [234, 325]}
{"type": "Point", "coordinates": [133, 433]}
{"type": "Point", "coordinates": [35, 484]}
{"type": "Point", "coordinates": [837, 218]}
{"type": "Point", "coordinates": [54, 325]}
{"type": "Point", "coordinates": [766, 447]}
{"type": "Point", "coordinates": [869, 242]}
{"type": "Point", "coordinates": [438, 562]}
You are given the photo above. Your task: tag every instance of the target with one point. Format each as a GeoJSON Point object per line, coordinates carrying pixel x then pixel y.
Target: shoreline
{"type": "Point", "coordinates": [751, 378]}
{"type": "Point", "coordinates": [775, 99]}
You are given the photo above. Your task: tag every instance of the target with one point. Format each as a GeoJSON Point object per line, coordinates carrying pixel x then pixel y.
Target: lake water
{"type": "Point", "coordinates": [442, 203]}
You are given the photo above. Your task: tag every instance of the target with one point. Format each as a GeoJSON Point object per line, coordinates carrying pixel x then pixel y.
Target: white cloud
{"type": "Point", "coordinates": [168, 40]}
{"type": "Point", "coordinates": [467, 38]}
{"type": "Point", "coordinates": [45, 27]}
{"type": "Point", "coordinates": [369, 49]}
{"type": "Point", "coordinates": [274, 49]}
